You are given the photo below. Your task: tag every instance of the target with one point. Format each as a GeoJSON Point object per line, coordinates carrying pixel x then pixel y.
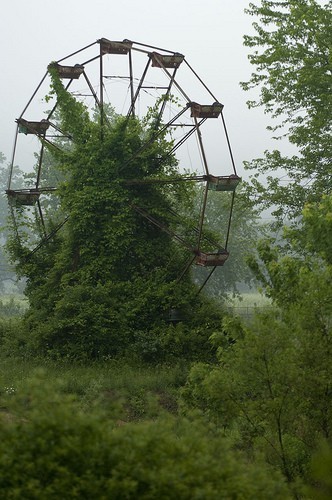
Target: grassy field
{"type": "Point", "coordinates": [246, 304]}
{"type": "Point", "coordinates": [138, 391]}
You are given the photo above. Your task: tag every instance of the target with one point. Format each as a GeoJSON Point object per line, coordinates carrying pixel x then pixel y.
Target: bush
{"type": "Point", "coordinates": [320, 473]}
{"type": "Point", "coordinates": [51, 449]}
{"type": "Point", "coordinates": [12, 337]}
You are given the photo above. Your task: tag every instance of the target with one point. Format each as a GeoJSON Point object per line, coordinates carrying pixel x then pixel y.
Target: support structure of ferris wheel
{"type": "Point", "coordinates": [169, 63]}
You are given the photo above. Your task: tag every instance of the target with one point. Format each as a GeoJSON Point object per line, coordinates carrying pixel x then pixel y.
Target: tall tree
{"type": "Point", "coordinates": [292, 60]}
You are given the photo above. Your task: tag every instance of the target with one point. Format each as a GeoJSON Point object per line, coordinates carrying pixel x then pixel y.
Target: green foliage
{"type": "Point", "coordinates": [300, 262]}
{"type": "Point", "coordinates": [317, 228]}
{"type": "Point", "coordinates": [13, 341]}
{"type": "Point", "coordinates": [121, 385]}
{"type": "Point", "coordinates": [272, 388]}
{"type": "Point", "coordinates": [270, 391]}
{"type": "Point", "coordinates": [50, 448]}
{"type": "Point", "coordinates": [105, 283]}
{"type": "Point", "coordinates": [7, 273]}
{"type": "Point", "coordinates": [292, 60]}
{"type": "Point", "coordinates": [320, 473]}
{"type": "Point", "coordinates": [293, 71]}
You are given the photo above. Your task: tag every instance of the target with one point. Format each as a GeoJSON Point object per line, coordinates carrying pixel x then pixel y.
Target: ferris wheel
{"type": "Point", "coordinates": [132, 78]}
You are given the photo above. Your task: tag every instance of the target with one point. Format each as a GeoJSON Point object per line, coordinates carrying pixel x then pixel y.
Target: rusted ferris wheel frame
{"type": "Point", "coordinates": [169, 63]}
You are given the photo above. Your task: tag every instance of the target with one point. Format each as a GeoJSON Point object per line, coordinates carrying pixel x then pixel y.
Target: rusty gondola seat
{"type": "Point", "coordinates": [28, 127]}
{"type": "Point", "coordinates": [206, 259]}
{"type": "Point", "coordinates": [223, 183]}
{"type": "Point", "coordinates": [174, 316]}
{"type": "Point", "coordinates": [23, 197]}
{"type": "Point", "coordinates": [111, 47]}
{"type": "Point", "coordinates": [69, 72]}
{"type": "Point", "coordinates": [206, 110]}
{"type": "Point", "coordinates": [166, 61]}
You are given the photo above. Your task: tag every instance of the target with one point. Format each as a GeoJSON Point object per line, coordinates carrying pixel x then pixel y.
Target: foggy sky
{"type": "Point", "coordinates": [209, 33]}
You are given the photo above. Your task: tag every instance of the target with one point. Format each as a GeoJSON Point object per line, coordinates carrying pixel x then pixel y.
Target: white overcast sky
{"type": "Point", "coordinates": [209, 33]}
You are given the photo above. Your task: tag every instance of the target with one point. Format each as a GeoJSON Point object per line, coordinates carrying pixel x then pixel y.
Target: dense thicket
{"type": "Point", "coordinates": [109, 278]}
{"type": "Point", "coordinates": [50, 448]}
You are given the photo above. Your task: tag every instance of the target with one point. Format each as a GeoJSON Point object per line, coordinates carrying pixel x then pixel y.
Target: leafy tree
{"type": "Point", "coordinates": [273, 385]}
{"type": "Point", "coordinates": [272, 388]}
{"type": "Point", "coordinates": [292, 60]}
{"type": "Point", "coordinates": [317, 229]}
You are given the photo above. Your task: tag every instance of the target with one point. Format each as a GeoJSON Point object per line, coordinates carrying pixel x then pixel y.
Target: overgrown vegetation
{"type": "Point", "coordinates": [50, 447]}
{"type": "Point", "coordinates": [105, 284]}
{"type": "Point", "coordinates": [213, 407]}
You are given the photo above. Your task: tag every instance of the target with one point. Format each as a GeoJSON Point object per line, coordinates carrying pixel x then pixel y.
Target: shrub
{"type": "Point", "coordinates": [12, 337]}
{"type": "Point", "coordinates": [51, 449]}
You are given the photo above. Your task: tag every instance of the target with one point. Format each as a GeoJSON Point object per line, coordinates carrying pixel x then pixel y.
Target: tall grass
{"type": "Point", "coordinates": [139, 391]}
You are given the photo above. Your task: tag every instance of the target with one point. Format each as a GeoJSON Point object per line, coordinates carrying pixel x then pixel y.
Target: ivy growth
{"type": "Point", "coordinates": [109, 272]}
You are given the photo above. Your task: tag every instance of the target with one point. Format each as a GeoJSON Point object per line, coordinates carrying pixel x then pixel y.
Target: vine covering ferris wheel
{"type": "Point", "coordinates": [133, 78]}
